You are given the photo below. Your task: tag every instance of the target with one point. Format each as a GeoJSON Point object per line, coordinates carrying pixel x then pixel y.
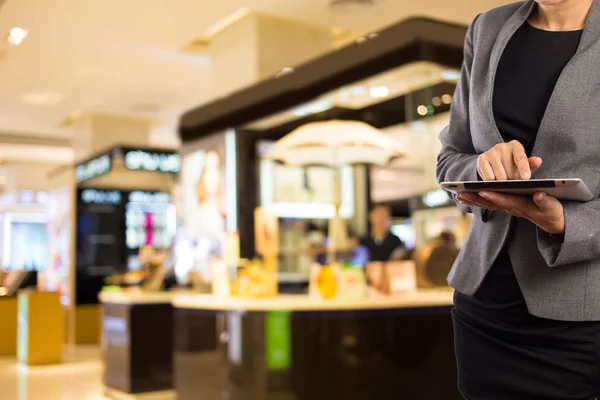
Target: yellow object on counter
{"type": "Point", "coordinates": [327, 282]}
{"type": "Point", "coordinates": [8, 324]}
{"type": "Point", "coordinates": [257, 279]}
{"type": "Point", "coordinates": [40, 328]}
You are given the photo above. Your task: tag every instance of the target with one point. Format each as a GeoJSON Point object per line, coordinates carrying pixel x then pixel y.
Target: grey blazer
{"type": "Point", "coordinates": [559, 280]}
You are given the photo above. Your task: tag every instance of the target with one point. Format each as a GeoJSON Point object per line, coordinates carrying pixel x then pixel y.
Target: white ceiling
{"type": "Point", "coordinates": [111, 55]}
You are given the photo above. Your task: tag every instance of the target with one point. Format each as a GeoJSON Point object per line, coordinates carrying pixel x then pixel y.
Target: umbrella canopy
{"type": "Point", "coordinates": [334, 143]}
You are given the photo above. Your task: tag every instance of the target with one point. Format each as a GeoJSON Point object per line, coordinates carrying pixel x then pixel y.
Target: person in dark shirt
{"type": "Point", "coordinates": [509, 344]}
{"type": "Point", "coordinates": [381, 244]}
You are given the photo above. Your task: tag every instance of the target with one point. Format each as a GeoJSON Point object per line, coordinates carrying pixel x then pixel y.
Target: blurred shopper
{"type": "Point", "coordinates": [527, 280]}
{"type": "Point", "coordinates": [380, 242]}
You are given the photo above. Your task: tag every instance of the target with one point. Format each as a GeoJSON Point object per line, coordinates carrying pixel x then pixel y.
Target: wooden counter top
{"type": "Point", "coordinates": [137, 297]}
{"type": "Point", "coordinates": [423, 299]}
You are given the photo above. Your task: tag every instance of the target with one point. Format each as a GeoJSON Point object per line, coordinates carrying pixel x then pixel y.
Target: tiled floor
{"type": "Point", "coordinates": [79, 378]}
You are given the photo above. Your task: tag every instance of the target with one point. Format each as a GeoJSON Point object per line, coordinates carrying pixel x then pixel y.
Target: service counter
{"type": "Point", "coordinates": [294, 347]}
{"type": "Point", "coordinates": [137, 344]}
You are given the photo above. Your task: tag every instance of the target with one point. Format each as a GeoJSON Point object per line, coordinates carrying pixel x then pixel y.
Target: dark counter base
{"type": "Point", "coordinates": [138, 342]}
{"type": "Point", "coordinates": [385, 354]}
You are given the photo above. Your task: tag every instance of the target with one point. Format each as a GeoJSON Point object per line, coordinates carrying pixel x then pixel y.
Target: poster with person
{"type": "Point", "coordinates": [201, 199]}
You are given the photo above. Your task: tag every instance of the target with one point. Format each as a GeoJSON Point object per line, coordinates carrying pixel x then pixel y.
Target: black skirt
{"type": "Point", "coordinates": [505, 353]}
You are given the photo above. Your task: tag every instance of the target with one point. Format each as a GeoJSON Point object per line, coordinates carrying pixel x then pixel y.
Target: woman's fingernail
{"type": "Point", "coordinates": [526, 175]}
{"type": "Point", "coordinates": [484, 195]}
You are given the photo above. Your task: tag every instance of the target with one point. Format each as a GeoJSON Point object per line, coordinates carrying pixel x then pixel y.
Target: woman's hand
{"type": "Point", "coordinates": [506, 161]}
{"type": "Point", "coordinates": [543, 210]}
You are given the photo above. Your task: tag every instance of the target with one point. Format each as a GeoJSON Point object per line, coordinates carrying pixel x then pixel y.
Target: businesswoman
{"type": "Point", "coordinates": [527, 282]}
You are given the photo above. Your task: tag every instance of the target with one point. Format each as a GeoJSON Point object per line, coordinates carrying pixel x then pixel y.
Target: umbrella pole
{"type": "Point", "coordinates": [337, 202]}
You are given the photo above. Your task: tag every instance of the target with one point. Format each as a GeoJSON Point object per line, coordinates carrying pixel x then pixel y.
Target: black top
{"type": "Point", "coordinates": [527, 74]}
{"type": "Point", "coordinates": [381, 249]}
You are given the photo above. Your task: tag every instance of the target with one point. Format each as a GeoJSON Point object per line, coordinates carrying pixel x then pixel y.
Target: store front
{"type": "Point", "coordinates": [399, 81]}
{"type": "Point", "coordinates": [102, 213]}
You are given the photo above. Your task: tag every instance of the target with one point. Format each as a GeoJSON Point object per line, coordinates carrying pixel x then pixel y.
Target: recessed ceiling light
{"type": "Point", "coordinates": [450, 75]}
{"type": "Point", "coordinates": [42, 98]}
{"type": "Point", "coordinates": [16, 36]}
{"type": "Point", "coordinates": [379, 92]}
{"type": "Point", "coordinates": [358, 91]}
{"type": "Point", "coordinates": [447, 99]}
{"type": "Point", "coordinates": [436, 101]}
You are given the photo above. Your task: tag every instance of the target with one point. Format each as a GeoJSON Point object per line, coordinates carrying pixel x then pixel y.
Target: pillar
{"type": "Point", "coordinates": [93, 133]}
{"type": "Point", "coordinates": [21, 175]}
{"type": "Point", "coordinates": [259, 46]}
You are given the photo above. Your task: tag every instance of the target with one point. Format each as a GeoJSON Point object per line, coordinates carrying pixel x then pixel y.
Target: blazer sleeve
{"type": "Point", "coordinates": [457, 160]}
{"type": "Point", "coordinates": [581, 241]}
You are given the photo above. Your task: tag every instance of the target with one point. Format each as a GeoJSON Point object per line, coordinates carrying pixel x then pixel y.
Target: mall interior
{"type": "Point", "coordinates": [188, 190]}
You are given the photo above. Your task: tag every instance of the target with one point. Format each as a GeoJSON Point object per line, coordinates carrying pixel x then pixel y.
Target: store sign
{"type": "Point", "coordinates": [107, 197]}
{"type": "Point", "coordinates": [435, 198]}
{"type": "Point", "coordinates": [149, 197]}
{"type": "Point", "coordinates": [93, 168]}
{"type": "Point", "coordinates": [26, 197]}
{"type": "Point", "coordinates": [152, 161]}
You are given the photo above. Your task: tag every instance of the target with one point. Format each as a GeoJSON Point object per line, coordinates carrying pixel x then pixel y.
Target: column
{"type": "Point", "coordinates": [93, 133]}
{"type": "Point", "coordinates": [259, 46]}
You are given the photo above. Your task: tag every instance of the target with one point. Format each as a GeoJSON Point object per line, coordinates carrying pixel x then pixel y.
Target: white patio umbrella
{"type": "Point", "coordinates": [335, 143]}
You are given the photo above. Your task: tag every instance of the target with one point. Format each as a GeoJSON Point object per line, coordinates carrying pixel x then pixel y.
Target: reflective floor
{"type": "Point", "coordinates": [79, 378]}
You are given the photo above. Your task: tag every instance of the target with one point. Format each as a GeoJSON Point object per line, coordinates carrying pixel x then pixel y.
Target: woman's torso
{"type": "Point", "coordinates": [569, 144]}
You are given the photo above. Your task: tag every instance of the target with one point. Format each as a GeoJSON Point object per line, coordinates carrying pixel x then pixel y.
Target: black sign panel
{"type": "Point", "coordinates": [151, 160]}
{"type": "Point", "coordinates": [93, 168]}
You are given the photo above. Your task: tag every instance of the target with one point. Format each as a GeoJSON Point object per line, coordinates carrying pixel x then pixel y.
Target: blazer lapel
{"type": "Point", "coordinates": [578, 73]}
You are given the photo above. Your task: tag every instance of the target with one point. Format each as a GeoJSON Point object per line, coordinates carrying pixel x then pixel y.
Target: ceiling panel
{"type": "Point", "coordinates": [109, 55]}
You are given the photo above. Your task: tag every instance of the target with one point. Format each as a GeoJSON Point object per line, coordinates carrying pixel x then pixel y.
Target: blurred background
{"type": "Point", "coordinates": [227, 200]}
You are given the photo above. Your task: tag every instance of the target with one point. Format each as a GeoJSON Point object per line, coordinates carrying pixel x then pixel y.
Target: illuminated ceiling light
{"type": "Point", "coordinates": [16, 36]}
{"type": "Point", "coordinates": [285, 71]}
{"type": "Point", "coordinates": [447, 99]}
{"type": "Point", "coordinates": [417, 125]}
{"type": "Point", "coordinates": [361, 40]}
{"type": "Point", "coordinates": [379, 92]}
{"type": "Point", "coordinates": [358, 91]}
{"type": "Point", "coordinates": [42, 98]}
{"type": "Point", "coordinates": [314, 107]}
{"type": "Point", "coordinates": [450, 75]}
{"type": "Point", "coordinates": [422, 110]}
{"type": "Point", "coordinates": [436, 101]}
{"type": "Point", "coordinates": [374, 35]}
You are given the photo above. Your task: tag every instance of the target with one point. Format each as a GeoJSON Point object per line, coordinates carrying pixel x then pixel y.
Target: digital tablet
{"type": "Point", "coordinates": [564, 189]}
